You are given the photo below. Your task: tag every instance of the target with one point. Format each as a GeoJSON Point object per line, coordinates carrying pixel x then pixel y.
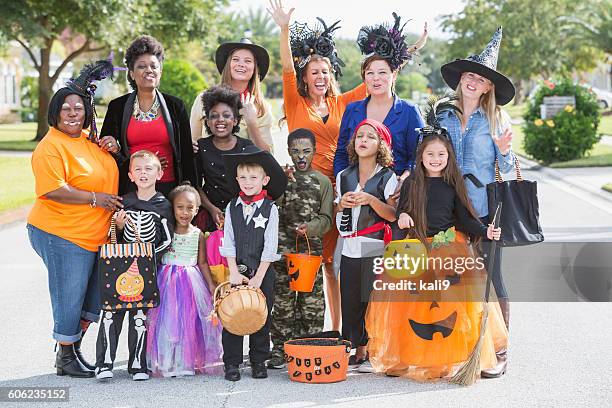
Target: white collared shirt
{"type": "Point", "coordinates": [270, 249]}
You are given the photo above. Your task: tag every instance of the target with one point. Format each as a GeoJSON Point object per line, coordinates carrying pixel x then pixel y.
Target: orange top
{"type": "Point", "coordinates": [61, 160]}
{"type": "Point", "coordinates": [300, 114]}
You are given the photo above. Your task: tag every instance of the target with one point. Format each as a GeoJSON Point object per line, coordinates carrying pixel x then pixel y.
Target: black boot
{"type": "Point", "coordinates": [77, 351]}
{"type": "Point", "coordinates": [66, 363]}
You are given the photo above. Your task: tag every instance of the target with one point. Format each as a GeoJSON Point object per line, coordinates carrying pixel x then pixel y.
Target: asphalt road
{"type": "Point", "coordinates": [560, 352]}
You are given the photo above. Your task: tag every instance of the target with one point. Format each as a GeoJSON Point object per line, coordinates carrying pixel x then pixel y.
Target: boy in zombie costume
{"type": "Point", "coordinates": [306, 208]}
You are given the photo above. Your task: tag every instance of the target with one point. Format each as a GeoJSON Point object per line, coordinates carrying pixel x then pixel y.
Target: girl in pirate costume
{"type": "Point", "coordinates": [364, 192]}
{"type": "Point", "coordinates": [150, 217]}
{"type": "Point", "coordinates": [427, 332]}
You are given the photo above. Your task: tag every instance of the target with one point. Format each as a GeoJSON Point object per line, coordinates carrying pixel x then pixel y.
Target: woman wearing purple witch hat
{"type": "Point", "coordinates": [76, 193]}
{"type": "Point", "coordinates": [482, 137]}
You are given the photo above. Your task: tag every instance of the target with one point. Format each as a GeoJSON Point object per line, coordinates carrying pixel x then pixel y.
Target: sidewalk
{"type": "Point", "coordinates": [586, 179]}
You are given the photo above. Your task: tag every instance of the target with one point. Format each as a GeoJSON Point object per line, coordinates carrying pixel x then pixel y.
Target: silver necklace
{"type": "Point", "coordinates": [147, 116]}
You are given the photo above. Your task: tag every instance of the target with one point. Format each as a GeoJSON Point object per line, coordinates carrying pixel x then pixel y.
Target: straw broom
{"type": "Point", "coordinates": [470, 371]}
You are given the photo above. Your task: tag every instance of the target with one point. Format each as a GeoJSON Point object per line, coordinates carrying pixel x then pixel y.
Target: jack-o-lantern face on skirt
{"type": "Point", "coordinates": [428, 328]}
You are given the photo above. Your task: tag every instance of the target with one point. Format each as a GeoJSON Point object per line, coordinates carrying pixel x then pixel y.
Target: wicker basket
{"type": "Point", "coordinates": [242, 309]}
{"type": "Point", "coordinates": [317, 360]}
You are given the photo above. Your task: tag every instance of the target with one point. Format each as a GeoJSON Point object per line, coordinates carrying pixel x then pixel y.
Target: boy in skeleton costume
{"type": "Point", "coordinates": [151, 217]}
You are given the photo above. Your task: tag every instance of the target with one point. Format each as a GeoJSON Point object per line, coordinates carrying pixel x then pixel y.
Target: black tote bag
{"type": "Point", "coordinates": [127, 274]}
{"type": "Point", "coordinates": [520, 216]}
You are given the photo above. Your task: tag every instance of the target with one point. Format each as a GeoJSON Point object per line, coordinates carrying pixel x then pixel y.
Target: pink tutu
{"type": "Point", "coordinates": [182, 341]}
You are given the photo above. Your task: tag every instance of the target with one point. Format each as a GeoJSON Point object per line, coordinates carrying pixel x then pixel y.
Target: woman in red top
{"type": "Point", "coordinates": [147, 119]}
{"type": "Point", "coordinates": [313, 101]}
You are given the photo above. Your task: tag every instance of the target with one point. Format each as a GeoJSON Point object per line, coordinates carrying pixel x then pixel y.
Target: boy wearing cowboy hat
{"type": "Point", "coordinates": [250, 245]}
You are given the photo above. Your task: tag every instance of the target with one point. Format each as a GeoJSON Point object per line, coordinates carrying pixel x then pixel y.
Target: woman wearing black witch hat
{"type": "Point", "coordinates": [482, 137]}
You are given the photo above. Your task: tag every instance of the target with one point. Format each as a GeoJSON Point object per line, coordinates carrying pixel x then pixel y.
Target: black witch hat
{"type": "Point", "coordinates": [305, 42]}
{"type": "Point", "coordinates": [484, 64]}
{"type": "Point", "coordinates": [389, 43]}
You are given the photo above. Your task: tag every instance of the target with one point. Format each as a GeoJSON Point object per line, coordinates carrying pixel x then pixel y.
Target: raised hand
{"type": "Point", "coordinates": [504, 142]}
{"type": "Point", "coordinates": [249, 110]}
{"type": "Point", "coordinates": [280, 17]}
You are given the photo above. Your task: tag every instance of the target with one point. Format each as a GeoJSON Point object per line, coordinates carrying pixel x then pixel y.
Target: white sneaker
{"type": "Point", "coordinates": [140, 377]}
{"type": "Point", "coordinates": [365, 367]}
{"type": "Point", "coordinates": [104, 374]}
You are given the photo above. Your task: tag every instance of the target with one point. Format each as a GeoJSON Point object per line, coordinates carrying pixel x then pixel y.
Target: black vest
{"type": "Point", "coordinates": [249, 241]}
{"type": "Point", "coordinates": [349, 179]}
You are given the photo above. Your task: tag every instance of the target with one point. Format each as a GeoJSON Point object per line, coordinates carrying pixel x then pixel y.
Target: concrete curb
{"type": "Point", "coordinates": [12, 217]}
{"type": "Point", "coordinates": [554, 174]}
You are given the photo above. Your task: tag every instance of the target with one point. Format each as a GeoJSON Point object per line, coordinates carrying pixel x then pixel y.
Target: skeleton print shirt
{"type": "Point", "coordinates": [153, 219]}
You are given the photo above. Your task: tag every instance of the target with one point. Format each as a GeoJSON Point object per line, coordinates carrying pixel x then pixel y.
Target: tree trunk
{"type": "Point", "coordinates": [45, 88]}
{"type": "Point", "coordinates": [518, 97]}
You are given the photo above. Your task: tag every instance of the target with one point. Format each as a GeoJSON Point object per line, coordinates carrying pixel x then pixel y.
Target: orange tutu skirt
{"type": "Point", "coordinates": [425, 332]}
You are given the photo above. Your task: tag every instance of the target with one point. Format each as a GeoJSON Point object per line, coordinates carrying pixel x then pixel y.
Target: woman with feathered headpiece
{"type": "Point", "coordinates": [385, 52]}
{"type": "Point", "coordinates": [76, 193]}
{"type": "Point", "coordinates": [312, 101]}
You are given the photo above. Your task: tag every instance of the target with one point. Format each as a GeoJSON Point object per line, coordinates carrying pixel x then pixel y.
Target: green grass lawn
{"type": "Point", "coordinates": [18, 136]}
{"type": "Point", "coordinates": [605, 125]}
{"type": "Point", "coordinates": [600, 155]}
{"type": "Point", "coordinates": [17, 188]}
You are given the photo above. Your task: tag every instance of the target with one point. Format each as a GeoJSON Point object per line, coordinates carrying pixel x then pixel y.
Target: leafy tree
{"type": "Point", "coordinates": [182, 79]}
{"type": "Point", "coordinates": [90, 26]}
{"type": "Point", "coordinates": [533, 45]}
{"type": "Point", "coordinates": [410, 82]}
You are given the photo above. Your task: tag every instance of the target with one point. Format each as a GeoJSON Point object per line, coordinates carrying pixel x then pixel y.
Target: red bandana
{"type": "Point", "coordinates": [381, 129]}
{"type": "Point", "coordinates": [251, 199]}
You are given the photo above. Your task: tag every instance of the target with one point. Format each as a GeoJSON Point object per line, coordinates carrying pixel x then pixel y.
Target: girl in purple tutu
{"type": "Point", "coordinates": [182, 341]}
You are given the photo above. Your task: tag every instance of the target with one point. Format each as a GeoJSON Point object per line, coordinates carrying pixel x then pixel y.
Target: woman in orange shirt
{"type": "Point", "coordinates": [76, 182]}
{"type": "Point", "coordinates": [312, 101]}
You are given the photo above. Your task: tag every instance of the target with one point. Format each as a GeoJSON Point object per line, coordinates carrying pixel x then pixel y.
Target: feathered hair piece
{"type": "Point", "coordinates": [435, 106]}
{"type": "Point", "coordinates": [83, 85]}
{"type": "Point", "coordinates": [305, 42]}
{"type": "Point", "coordinates": [389, 43]}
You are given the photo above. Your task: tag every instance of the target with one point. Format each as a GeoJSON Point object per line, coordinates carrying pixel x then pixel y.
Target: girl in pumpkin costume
{"type": "Point", "coordinates": [429, 330]}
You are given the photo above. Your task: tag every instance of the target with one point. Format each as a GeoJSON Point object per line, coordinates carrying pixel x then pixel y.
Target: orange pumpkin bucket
{"type": "Point", "coordinates": [317, 360]}
{"type": "Point", "coordinates": [302, 269]}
